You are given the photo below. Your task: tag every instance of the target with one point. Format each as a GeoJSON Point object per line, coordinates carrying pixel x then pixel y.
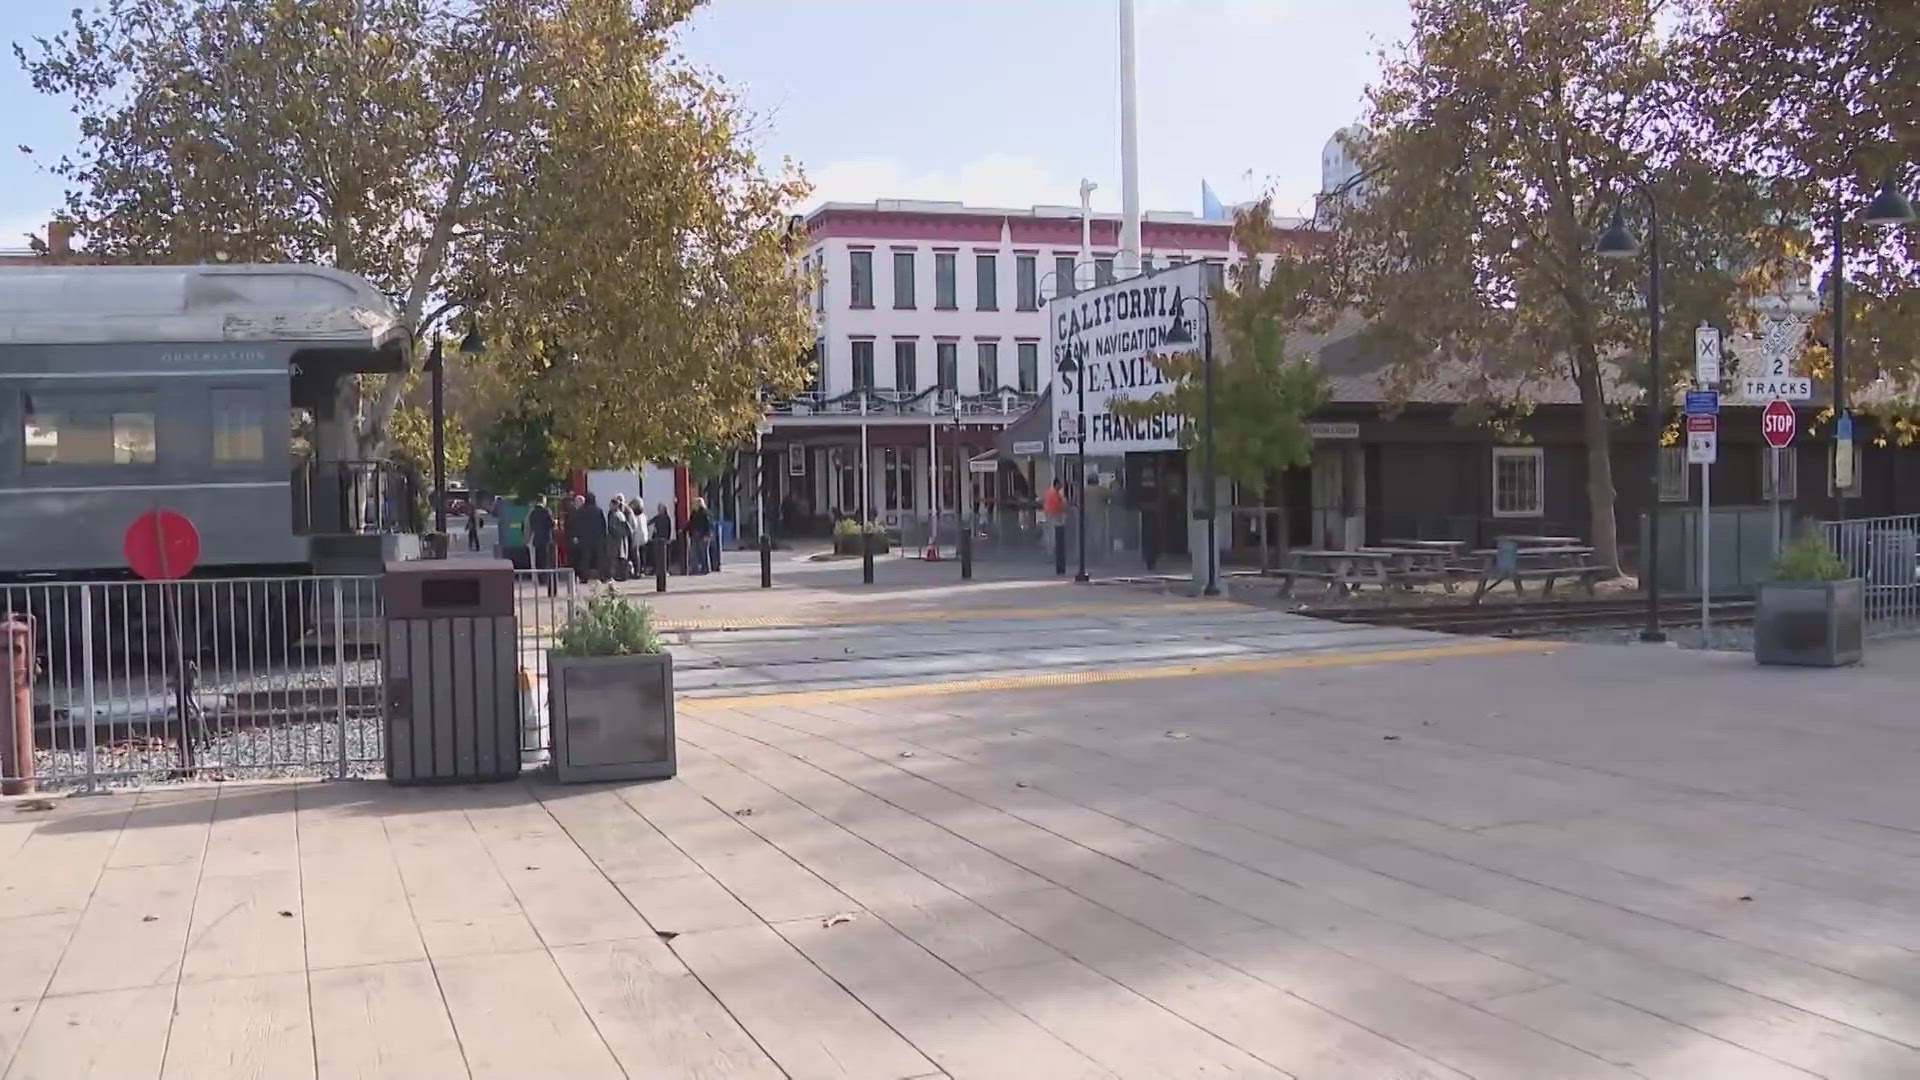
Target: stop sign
{"type": "Point", "coordinates": [1777, 423]}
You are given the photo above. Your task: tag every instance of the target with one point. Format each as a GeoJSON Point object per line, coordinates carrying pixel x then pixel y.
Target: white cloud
{"type": "Point", "coordinates": [997, 179]}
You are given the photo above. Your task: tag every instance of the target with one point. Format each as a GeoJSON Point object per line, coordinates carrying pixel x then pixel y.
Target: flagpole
{"type": "Point", "coordinates": [1130, 251]}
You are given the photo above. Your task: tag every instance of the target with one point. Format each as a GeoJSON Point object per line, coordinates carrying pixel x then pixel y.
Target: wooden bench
{"type": "Point", "coordinates": [1346, 571]}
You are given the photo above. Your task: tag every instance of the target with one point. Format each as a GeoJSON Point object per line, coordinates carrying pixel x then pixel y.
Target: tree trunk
{"type": "Point", "coordinates": [1594, 425]}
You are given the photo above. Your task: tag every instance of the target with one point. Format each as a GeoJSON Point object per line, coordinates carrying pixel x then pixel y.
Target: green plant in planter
{"type": "Point", "coordinates": [850, 528]}
{"type": "Point", "coordinates": [609, 625]}
{"type": "Point", "coordinates": [1808, 558]}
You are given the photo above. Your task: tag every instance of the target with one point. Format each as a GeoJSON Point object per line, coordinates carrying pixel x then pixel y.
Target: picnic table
{"type": "Point", "coordinates": [1545, 563]}
{"type": "Point", "coordinates": [1345, 571]}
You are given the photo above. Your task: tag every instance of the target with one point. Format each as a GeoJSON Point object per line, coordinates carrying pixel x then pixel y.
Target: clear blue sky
{"type": "Point", "coordinates": [999, 102]}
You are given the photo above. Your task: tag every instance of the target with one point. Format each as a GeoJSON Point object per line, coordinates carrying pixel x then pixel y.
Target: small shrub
{"type": "Point", "coordinates": [1808, 558]}
{"type": "Point", "coordinates": [609, 625]}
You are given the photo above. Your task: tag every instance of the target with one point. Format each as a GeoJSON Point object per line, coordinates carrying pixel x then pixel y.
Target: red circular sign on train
{"type": "Point", "coordinates": [162, 545]}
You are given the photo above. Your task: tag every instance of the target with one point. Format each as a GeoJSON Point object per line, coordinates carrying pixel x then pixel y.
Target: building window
{"type": "Point", "coordinates": [906, 366]}
{"type": "Point", "coordinates": [1146, 264]}
{"type": "Point", "coordinates": [1103, 271]}
{"type": "Point", "coordinates": [987, 281]}
{"type": "Point", "coordinates": [1519, 481]}
{"type": "Point", "coordinates": [903, 279]}
{"type": "Point", "coordinates": [820, 283]}
{"type": "Point", "coordinates": [860, 264]}
{"type": "Point", "coordinates": [76, 431]}
{"type": "Point", "coordinates": [946, 363]}
{"type": "Point", "coordinates": [897, 467]}
{"type": "Point", "coordinates": [863, 364]}
{"type": "Point", "coordinates": [1789, 474]}
{"type": "Point", "coordinates": [1063, 269]}
{"type": "Point", "coordinates": [1674, 474]}
{"type": "Point", "coordinates": [988, 354]}
{"type": "Point", "coordinates": [1215, 276]}
{"type": "Point", "coordinates": [1029, 367]}
{"type": "Point", "coordinates": [945, 292]}
{"type": "Point", "coordinates": [239, 426]}
{"type": "Point", "coordinates": [817, 367]}
{"type": "Point", "coordinates": [1026, 283]}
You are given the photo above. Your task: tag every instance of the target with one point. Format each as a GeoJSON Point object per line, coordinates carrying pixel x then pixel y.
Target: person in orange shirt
{"type": "Point", "coordinates": [1054, 505]}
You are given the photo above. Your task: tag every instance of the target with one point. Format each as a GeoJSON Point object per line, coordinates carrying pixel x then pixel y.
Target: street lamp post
{"type": "Point", "coordinates": [1071, 365]}
{"type": "Point", "coordinates": [1889, 207]}
{"type": "Point", "coordinates": [1178, 334]}
{"type": "Point", "coordinates": [1617, 243]}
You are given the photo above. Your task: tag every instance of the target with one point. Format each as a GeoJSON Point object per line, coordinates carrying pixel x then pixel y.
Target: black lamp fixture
{"type": "Point", "coordinates": [1889, 206]}
{"type": "Point", "coordinates": [1617, 242]}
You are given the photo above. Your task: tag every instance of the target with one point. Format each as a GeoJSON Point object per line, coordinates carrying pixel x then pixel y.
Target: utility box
{"type": "Point", "coordinates": [452, 695]}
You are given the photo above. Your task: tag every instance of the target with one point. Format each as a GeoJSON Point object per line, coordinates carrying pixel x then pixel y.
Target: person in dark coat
{"type": "Point", "coordinates": [661, 528]}
{"type": "Point", "coordinates": [699, 537]}
{"type": "Point", "coordinates": [540, 542]}
{"type": "Point", "coordinates": [587, 525]}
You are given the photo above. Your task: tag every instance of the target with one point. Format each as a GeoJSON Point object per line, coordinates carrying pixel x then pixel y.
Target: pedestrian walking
{"type": "Point", "coordinates": [473, 527]}
{"type": "Point", "coordinates": [699, 536]}
{"type": "Point", "coordinates": [587, 525]}
{"type": "Point", "coordinates": [620, 538]}
{"type": "Point", "coordinates": [662, 529]}
{"type": "Point", "coordinates": [540, 548]}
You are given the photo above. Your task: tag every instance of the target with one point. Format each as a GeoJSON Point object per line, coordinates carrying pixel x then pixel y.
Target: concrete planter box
{"type": "Point", "coordinates": [850, 545]}
{"type": "Point", "coordinates": [1810, 623]}
{"type": "Point", "coordinates": [612, 717]}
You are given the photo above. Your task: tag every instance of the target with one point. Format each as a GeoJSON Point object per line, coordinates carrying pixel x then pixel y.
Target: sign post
{"type": "Point", "coordinates": [1703, 448]}
{"type": "Point", "coordinates": [1777, 427]}
{"type": "Point", "coordinates": [162, 545]}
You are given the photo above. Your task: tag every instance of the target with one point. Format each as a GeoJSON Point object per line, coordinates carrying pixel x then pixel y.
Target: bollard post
{"type": "Point", "coordinates": [1059, 549]}
{"type": "Point", "coordinates": [16, 743]}
{"type": "Point", "coordinates": [766, 560]}
{"type": "Point", "coordinates": [866, 556]}
{"type": "Point", "coordinates": [659, 564]}
{"type": "Point", "coordinates": [966, 551]}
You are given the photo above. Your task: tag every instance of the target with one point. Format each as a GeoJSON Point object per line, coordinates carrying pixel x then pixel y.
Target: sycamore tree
{"type": "Point", "coordinates": [1263, 392]}
{"type": "Point", "coordinates": [1818, 96]}
{"type": "Point", "coordinates": [548, 168]}
{"type": "Point", "coordinates": [1501, 135]}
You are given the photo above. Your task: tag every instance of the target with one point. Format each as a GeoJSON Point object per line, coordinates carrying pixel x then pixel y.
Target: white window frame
{"type": "Point", "coordinates": [1789, 474]}
{"type": "Point", "coordinates": [1676, 475]}
{"type": "Point", "coordinates": [1538, 456]}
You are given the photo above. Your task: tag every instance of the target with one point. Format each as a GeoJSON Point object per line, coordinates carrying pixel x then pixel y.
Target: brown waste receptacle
{"type": "Point", "coordinates": [452, 692]}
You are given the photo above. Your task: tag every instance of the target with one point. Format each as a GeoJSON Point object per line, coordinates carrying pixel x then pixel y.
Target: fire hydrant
{"type": "Point", "coordinates": [16, 739]}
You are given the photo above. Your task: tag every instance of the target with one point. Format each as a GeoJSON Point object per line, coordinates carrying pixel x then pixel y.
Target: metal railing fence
{"type": "Point", "coordinates": [1885, 553]}
{"type": "Point", "coordinates": [137, 683]}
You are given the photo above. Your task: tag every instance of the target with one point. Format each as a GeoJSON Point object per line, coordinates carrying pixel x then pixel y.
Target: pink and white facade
{"type": "Point", "coordinates": [930, 340]}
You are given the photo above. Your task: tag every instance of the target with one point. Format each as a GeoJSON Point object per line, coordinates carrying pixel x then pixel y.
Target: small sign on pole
{"type": "Point", "coordinates": [1706, 355]}
{"type": "Point", "coordinates": [1703, 439]}
{"type": "Point", "coordinates": [1703, 403]}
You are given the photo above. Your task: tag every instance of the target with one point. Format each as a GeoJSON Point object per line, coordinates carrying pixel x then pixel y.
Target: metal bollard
{"type": "Point", "coordinates": [16, 742]}
{"type": "Point", "coordinates": [966, 553]}
{"type": "Point", "coordinates": [659, 564]}
{"type": "Point", "coordinates": [1059, 549]}
{"type": "Point", "coordinates": [766, 561]}
{"type": "Point", "coordinates": [866, 556]}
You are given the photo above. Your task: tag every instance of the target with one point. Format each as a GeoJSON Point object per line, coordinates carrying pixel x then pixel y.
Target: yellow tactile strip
{"type": "Point", "coordinates": [1245, 666]}
{"type": "Point", "coordinates": [772, 622]}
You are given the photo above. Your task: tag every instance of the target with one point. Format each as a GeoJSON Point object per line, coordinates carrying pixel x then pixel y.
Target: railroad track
{"type": "Point", "coordinates": [1543, 616]}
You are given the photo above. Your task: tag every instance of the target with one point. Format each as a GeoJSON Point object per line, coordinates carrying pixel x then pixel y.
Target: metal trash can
{"type": "Point", "coordinates": [452, 697]}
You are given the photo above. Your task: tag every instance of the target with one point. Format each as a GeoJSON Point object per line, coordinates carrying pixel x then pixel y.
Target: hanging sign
{"type": "Point", "coordinates": [1109, 334]}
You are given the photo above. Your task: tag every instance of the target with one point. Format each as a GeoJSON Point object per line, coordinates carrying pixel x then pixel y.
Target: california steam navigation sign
{"type": "Point", "coordinates": [1110, 332]}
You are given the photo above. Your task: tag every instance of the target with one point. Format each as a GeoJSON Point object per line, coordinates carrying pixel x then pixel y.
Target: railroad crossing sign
{"type": "Point", "coordinates": [1777, 424]}
{"type": "Point", "coordinates": [161, 545]}
{"type": "Point", "coordinates": [1706, 355]}
{"type": "Point", "coordinates": [1703, 439]}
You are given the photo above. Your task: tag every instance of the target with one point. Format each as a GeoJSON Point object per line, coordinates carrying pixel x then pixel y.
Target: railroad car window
{"type": "Point", "coordinates": [81, 433]}
{"type": "Point", "coordinates": [1519, 481]}
{"type": "Point", "coordinates": [239, 426]}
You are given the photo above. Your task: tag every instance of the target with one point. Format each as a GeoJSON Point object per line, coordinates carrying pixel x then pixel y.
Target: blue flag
{"type": "Point", "coordinates": [1210, 207]}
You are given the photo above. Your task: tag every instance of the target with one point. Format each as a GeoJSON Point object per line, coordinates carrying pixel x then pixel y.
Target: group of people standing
{"type": "Point", "coordinates": [618, 541]}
